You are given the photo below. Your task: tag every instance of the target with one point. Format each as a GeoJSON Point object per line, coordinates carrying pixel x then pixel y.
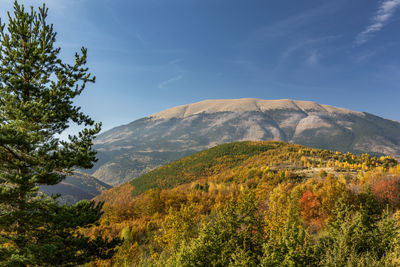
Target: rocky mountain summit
{"type": "Point", "coordinates": [131, 150]}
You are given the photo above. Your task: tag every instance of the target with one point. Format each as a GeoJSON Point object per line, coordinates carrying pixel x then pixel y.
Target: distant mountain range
{"type": "Point", "coordinates": [128, 151]}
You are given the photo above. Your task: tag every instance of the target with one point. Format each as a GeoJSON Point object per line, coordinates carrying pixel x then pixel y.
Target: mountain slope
{"type": "Point", "coordinates": [287, 186]}
{"type": "Point", "coordinates": [241, 162]}
{"type": "Point", "coordinates": [244, 160]}
{"type": "Point", "coordinates": [131, 150]}
{"type": "Point", "coordinates": [77, 187]}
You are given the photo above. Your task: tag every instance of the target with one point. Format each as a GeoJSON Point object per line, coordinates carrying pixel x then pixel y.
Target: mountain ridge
{"type": "Point", "coordinates": [130, 150]}
{"type": "Point", "coordinates": [76, 187]}
{"type": "Point", "coordinates": [245, 105]}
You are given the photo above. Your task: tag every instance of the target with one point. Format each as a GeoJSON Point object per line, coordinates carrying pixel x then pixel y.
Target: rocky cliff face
{"type": "Point", "coordinates": [131, 150]}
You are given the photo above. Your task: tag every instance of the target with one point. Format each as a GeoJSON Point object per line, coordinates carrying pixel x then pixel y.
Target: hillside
{"type": "Point", "coordinates": [178, 211]}
{"type": "Point", "coordinates": [77, 187]}
{"type": "Point", "coordinates": [131, 150]}
{"type": "Point", "coordinates": [247, 160]}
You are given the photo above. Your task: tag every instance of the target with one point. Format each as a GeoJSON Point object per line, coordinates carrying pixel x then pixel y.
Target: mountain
{"type": "Point", "coordinates": [77, 187]}
{"type": "Point", "coordinates": [128, 151]}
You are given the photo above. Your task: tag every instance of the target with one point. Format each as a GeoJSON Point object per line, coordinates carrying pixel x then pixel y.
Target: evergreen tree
{"type": "Point", "coordinates": [359, 238]}
{"type": "Point", "coordinates": [36, 105]}
{"type": "Point", "coordinates": [293, 247]}
{"type": "Point", "coordinates": [232, 237]}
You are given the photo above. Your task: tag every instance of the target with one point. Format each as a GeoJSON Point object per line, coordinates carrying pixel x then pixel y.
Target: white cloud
{"type": "Point", "coordinates": [385, 11]}
{"type": "Point", "coordinates": [169, 81]}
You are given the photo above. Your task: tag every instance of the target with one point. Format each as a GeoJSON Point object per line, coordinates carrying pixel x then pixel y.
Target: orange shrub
{"type": "Point", "coordinates": [387, 191]}
{"type": "Point", "coordinates": [311, 209]}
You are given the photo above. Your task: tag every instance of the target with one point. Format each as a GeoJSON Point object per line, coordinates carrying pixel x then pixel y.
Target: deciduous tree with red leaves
{"type": "Point", "coordinates": [387, 191]}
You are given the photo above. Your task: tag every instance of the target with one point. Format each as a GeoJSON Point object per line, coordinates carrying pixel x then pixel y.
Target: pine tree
{"type": "Point", "coordinates": [231, 237]}
{"type": "Point", "coordinates": [36, 105]}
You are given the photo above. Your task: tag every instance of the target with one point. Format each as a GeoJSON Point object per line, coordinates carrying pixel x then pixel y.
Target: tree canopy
{"type": "Point", "coordinates": [37, 90]}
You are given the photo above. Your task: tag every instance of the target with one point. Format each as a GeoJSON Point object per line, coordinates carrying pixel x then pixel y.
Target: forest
{"type": "Point", "coordinates": [258, 204]}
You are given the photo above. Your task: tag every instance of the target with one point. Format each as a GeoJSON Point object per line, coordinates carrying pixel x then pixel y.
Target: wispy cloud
{"type": "Point", "coordinates": [385, 11]}
{"type": "Point", "coordinates": [365, 55]}
{"type": "Point", "coordinates": [175, 61]}
{"type": "Point", "coordinates": [293, 26]}
{"type": "Point", "coordinates": [306, 44]}
{"type": "Point", "coordinates": [54, 6]}
{"type": "Point", "coordinates": [140, 38]}
{"type": "Point", "coordinates": [169, 81]}
{"type": "Point", "coordinates": [313, 58]}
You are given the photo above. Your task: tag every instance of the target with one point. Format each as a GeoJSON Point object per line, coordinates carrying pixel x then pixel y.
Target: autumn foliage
{"type": "Point", "coordinates": [311, 209]}
{"type": "Point", "coordinates": [269, 207]}
{"type": "Point", "coordinates": [387, 191]}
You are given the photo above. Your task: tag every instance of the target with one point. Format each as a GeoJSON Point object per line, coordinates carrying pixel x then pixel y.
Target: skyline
{"type": "Point", "coordinates": [151, 55]}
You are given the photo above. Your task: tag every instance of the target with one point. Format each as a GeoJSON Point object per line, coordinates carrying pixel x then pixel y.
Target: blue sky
{"type": "Point", "coordinates": [149, 55]}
